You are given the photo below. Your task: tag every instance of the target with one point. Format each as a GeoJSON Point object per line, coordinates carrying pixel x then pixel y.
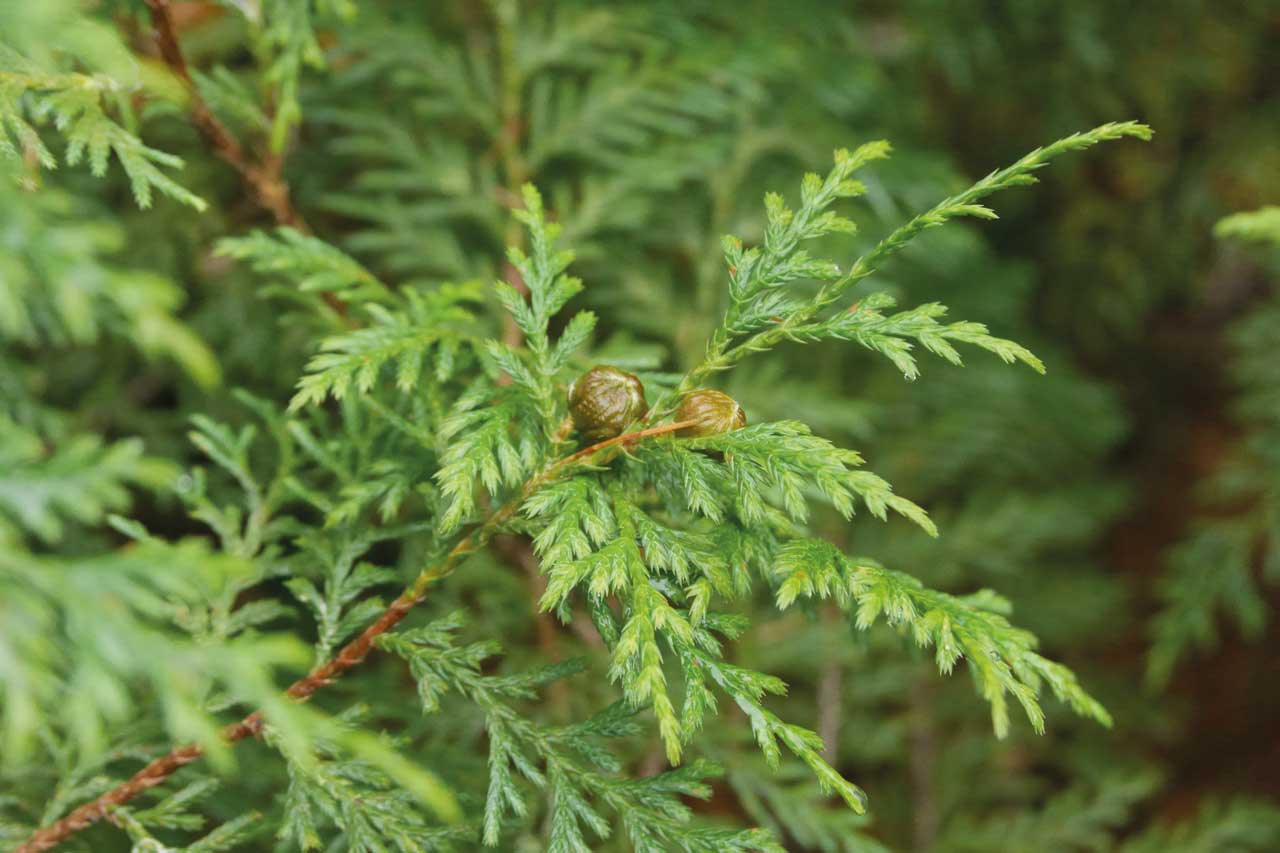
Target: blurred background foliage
{"type": "Point", "coordinates": [1127, 503]}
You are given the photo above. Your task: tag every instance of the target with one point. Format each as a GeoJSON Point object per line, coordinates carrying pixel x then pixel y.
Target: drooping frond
{"type": "Point", "coordinates": [973, 628]}
{"type": "Point", "coordinates": [80, 107]}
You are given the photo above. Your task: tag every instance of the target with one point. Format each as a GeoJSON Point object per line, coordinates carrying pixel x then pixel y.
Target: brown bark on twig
{"type": "Point", "coordinates": [264, 179]}
{"type": "Point", "coordinates": [271, 192]}
{"type": "Point", "coordinates": [265, 176]}
{"type": "Point", "coordinates": [162, 768]}
{"type": "Point", "coordinates": [351, 655]}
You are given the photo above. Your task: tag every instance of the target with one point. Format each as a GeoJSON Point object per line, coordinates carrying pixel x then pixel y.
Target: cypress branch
{"type": "Point", "coordinates": [351, 655]}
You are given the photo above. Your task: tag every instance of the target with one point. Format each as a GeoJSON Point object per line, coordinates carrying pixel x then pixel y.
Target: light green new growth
{"type": "Point", "coordinates": [77, 105]}
{"type": "Point", "coordinates": [577, 774]}
{"type": "Point", "coordinates": [408, 426]}
{"type": "Point", "coordinates": [1261, 225]}
{"type": "Point", "coordinates": [762, 314]}
{"type": "Point", "coordinates": [973, 628]}
{"type": "Point", "coordinates": [308, 264]}
{"type": "Point", "coordinates": [740, 496]}
{"type": "Point", "coordinates": [62, 283]}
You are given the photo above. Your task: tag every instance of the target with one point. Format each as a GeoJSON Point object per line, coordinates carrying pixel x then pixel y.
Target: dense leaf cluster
{"type": "Point", "coordinates": [305, 483]}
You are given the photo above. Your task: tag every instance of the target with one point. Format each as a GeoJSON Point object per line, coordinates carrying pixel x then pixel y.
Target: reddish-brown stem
{"type": "Point", "coordinates": [155, 773]}
{"type": "Point", "coordinates": [272, 193]}
{"type": "Point", "coordinates": [626, 439]}
{"type": "Point", "coordinates": [264, 177]}
{"type": "Point", "coordinates": [162, 768]}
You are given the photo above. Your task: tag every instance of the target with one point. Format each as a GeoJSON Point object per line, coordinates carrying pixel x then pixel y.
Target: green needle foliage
{"type": "Point", "coordinates": [657, 543]}
{"type": "Point", "coordinates": [89, 108]}
{"type": "Point", "coordinates": [564, 762]}
{"type": "Point", "coordinates": [303, 541]}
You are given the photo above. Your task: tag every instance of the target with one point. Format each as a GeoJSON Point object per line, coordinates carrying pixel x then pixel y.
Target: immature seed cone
{"type": "Point", "coordinates": [712, 413]}
{"type": "Point", "coordinates": [604, 400]}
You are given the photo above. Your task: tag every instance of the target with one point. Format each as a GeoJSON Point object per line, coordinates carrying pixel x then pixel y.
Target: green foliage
{"type": "Point", "coordinates": [1078, 819]}
{"type": "Point", "coordinates": [766, 316]}
{"type": "Point", "coordinates": [173, 812]}
{"type": "Point", "coordinates": [660, 564]}
{"type": "Point", "coordinates": [1261, 225]}
{"type": "Point", "coordinates": [794, 807]}
{"type": "Point", "coordinates": [1002, 657]}
{"type": "Point", "coordinates": [116, 611]}
{"type": "Point", "coordinates": [286, 32]}
{"type": "Point", "coordinates": [865, 325]}
{"type": "Point", "coordinates": [360, 437]}
{"type": "Point", "coordinates": [35, 85]}
{"type": "Point", "coordinates": [1102, 295]}
{"type": "Point", "coordinates": [1242, 825]}
{"type": "Point", "coordinates": [576, 773]}
{"type": "Point", "coordinates": [371, 809]}
{"type": "Point", "coordinates": [1213, 571]}
{"type": "Point", "coordinates": [431, 325]}
{"type": "Point", "coordinates": [61, 282]}
{"type": "Point", "coordinates": [753, 481]}
{"type": "Point", "coordinates": [42, 490]}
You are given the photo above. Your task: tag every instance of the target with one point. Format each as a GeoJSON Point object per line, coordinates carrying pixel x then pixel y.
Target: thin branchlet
{"type": "Point", "coordinates": [264, 179]}
{"type": "Point", "coordinates": [800, 324]}
{"type": "Point", "coordinates": [733, 499]}
{"type": "Point", "coordinates": [351, 655]}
